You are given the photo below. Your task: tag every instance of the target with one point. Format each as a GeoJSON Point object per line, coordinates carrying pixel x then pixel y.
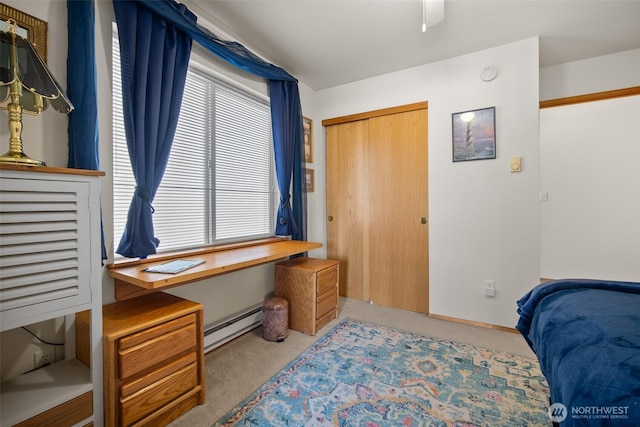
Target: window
{"type": "Point", "coordinates": [219, 185]}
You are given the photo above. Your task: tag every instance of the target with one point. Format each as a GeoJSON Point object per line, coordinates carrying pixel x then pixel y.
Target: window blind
{"type": "Point", "coordinates": [219, 182]}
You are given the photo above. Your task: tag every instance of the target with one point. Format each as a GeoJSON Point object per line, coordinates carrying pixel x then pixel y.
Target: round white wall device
{"type": "Point", "coordinates": [488, 73]}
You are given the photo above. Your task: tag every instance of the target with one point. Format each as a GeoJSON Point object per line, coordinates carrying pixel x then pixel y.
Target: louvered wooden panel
{"type": "Point", "coordinates": [50, 268]}
{"type": "Point", "coordinates": [44, 260]}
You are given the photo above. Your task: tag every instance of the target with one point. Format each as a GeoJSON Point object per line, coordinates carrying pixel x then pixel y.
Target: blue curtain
{"type": "Point", "coordinates": [287, 129]}
{"type": "Point", "coordinates": [230, 51]}
{"type": "Point", "coordinates": [81, 86]}
{"type": "Point", "coordinates": [135, 22]}
{"type": "Point", "coordinates": [82, 90]}
{"type": "Point", "coordinates": [154, 60]}
{"type": "Point", "coordinates": [286, 113]}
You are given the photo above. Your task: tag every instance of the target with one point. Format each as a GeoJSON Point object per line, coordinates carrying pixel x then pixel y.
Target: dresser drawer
{"type": "Point", "coordinates": [326, 303]}
{"type": "Point", "coordinates": [149, 399]}
{"type": "Point", "coordinates": [140, 352]}
{"type": "Point", "coordinates": [327, 279]}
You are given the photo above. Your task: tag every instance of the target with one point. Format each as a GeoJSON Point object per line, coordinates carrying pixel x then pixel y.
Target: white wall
{"type": "Point", "coordinates": [590, 162]}
{"type": "Point", "coordinates": [590, 168]}
{"type": "Point", "coordinates": [484, 220]}
{"type": "Point", "coordinates": [604, 73]}
{"type": "Point", "coordinates": [316, 229]}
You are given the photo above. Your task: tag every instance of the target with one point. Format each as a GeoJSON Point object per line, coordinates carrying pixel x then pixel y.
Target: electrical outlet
{"type": "Point", "coordinates": [43, 357]}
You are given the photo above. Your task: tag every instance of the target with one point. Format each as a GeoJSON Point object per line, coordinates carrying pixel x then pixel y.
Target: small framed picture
{"type": "Point", "coordinates": [474, 134]}
{"type": "Point", "coordinates": [308, 179]}
{"type": "Point", "coordinates": [307, 126]}
{"type": "Point", "coordinates": [29, 27]}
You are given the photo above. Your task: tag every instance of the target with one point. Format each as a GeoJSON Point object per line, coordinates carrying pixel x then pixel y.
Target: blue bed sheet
{"type": "Point", "coordinates": [586, 335]}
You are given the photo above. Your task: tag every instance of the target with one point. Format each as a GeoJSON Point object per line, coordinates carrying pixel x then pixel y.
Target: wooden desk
{"type": "Point", "coordinates": [131, 281]}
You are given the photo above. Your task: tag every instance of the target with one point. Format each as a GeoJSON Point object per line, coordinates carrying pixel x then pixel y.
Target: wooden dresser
{"type": "Point", "coordinates": [310, 286]}
{"type": "Point", "coordinates": [153, 359]}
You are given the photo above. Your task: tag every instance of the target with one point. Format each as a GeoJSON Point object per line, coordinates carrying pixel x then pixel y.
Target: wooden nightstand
{"type": "Point", "coordinates": [153, 359]}
{"type": "Point", "coordinates": [311, 287]}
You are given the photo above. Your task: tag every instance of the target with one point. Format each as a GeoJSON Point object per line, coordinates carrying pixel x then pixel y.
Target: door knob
{"type": "Point", "coordinates": [330, 218]}
{"type": "Point", "coordinates": [423, 220]}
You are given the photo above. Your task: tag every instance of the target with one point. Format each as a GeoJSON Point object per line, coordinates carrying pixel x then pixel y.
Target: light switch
{"type": "Point", "coordinates": [515, 165]}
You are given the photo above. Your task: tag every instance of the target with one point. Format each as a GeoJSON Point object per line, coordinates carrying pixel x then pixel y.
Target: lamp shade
{"type": "Point", "coordinates": [26, 85]}
{"type": "Point", "coordinates": [29, 71]}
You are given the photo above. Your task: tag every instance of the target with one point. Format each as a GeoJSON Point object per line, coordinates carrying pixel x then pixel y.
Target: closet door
{"type": "Point", "coordinates": [377, 206]}
{"type": "Point", "coordinates": [398, 211]}
{"type": "Point", "coordinates": [347, 201]}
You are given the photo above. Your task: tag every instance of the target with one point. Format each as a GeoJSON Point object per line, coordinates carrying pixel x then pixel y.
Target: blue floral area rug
{"type": "Point", "coordinates": [361, 374]}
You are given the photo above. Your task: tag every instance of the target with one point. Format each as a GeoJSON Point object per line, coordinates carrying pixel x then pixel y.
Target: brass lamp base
{"type": "Point", "coordinates": [19, 158]}
{"type": "Point", "coordinates": [15, 155]}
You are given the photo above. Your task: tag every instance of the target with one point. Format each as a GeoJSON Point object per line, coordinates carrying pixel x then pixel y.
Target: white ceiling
{"type": "Point", "coordinates": [326, 43]}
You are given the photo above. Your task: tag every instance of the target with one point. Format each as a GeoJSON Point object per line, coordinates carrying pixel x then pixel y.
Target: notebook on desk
{"type": "Point", "coordinates": [173, 267]}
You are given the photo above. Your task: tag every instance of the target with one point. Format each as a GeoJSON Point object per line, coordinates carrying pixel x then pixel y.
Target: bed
{"type": "Point", "coordinates": [586, 336]}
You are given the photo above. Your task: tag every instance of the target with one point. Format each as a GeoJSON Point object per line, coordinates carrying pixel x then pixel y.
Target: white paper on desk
{"type": "Point", "coordinates": [173, 267]}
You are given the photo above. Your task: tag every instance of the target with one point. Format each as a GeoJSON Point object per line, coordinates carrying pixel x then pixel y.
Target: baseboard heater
{"type": "Point", "coordinates": [231, 327]}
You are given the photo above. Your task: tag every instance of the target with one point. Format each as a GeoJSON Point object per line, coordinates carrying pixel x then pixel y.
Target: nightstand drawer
{"type": "Point", "coordinates": [155, 396]}
{"type": "Point", "coordinates": [157, 331]}
{"type": "Point", "coordinates": [326, 303]}
{"type": "Point", "coordinates": [138, 384]}
{"type": "Point", "coordinates": [156, 345]}
{"type": "Point", "coordinates": [322, 321]}
{"type": "Point", "coordinates": [327, 279]}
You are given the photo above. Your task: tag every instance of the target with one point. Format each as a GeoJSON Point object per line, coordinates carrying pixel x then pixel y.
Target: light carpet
{"type": "Point", "coordinates": [369, 375]}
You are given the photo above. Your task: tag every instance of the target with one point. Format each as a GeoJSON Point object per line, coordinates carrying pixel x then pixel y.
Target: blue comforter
{"type": "Point", "coordinates": [586, 335]}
